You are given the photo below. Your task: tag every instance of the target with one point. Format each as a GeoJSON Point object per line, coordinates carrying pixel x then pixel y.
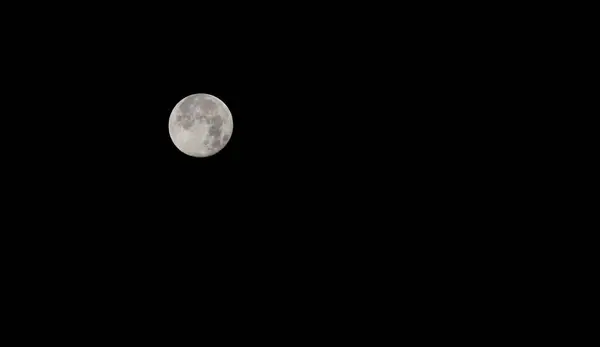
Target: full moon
{"type": "Point", "coordinates": [200, 125]}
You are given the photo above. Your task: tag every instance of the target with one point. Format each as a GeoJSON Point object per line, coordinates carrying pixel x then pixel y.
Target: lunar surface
{"type": "Point", "coordinates": [200, 125]}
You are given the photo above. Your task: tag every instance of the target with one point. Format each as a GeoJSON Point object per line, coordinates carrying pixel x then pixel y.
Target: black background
{"type": "Point", "coordinates": [363, 151]}
{"type": "Point", "coordinates": [337, 127]}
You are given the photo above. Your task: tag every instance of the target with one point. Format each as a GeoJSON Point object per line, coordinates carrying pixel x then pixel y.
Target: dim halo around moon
{"type": "Point", "coordinates": [200, 125]}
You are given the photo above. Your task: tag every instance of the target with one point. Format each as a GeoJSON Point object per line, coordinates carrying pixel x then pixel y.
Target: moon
{"type": "Point", "coordinates": [200, 125]}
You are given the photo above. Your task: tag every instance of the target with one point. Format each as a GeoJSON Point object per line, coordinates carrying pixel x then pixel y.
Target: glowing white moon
{"type": "Point", "coordinates": [200, 125]}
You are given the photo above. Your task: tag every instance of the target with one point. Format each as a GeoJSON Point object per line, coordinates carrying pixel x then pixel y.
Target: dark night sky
{"type": "Point", "coordinates": [311, 118]}
{"type": "Point", "coordinates": [332, 128]}
{"type": "Point", "coordinates": [367, 151]}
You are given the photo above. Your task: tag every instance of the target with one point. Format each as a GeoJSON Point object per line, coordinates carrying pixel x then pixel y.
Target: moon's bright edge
{"type": "Point", "coordinates": [200, 125]}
